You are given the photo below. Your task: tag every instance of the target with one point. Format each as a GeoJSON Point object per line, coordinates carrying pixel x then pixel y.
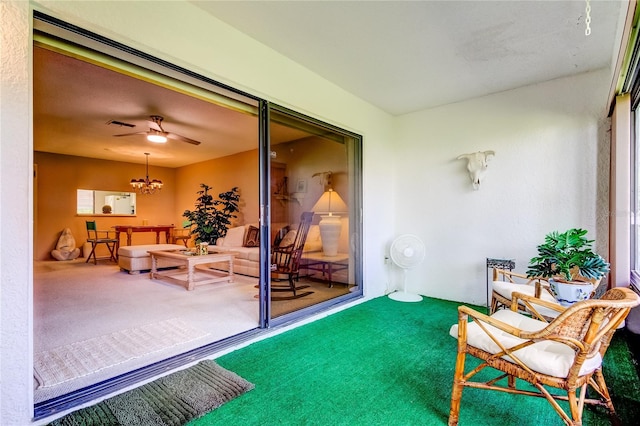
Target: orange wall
{"type": "Point", "coordinates": [59, 176]}
{"type": "Point", "coordinates": [221, 174]}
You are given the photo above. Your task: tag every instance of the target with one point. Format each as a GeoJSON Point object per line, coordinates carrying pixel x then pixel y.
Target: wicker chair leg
{"type": "Point", "coordinates": [456, 391]}
{"type": "Point", "coordinates": [567, 420]}
{"type": "Point", "coordinates": [576, 406]}
{"type": "Point", "coordinates": [599, 385]}
{"type": "Point", "coordinates": [494, 305]}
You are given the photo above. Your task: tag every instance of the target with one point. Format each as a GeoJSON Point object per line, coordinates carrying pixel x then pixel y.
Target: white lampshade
{"type": "Point", "coordinates": [330, 225]}
{"type": "Point", "coordinates": [330, 202]}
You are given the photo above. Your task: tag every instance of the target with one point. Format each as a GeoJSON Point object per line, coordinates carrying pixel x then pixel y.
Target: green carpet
{"type": "Point", "coordinates": [387, 363]}
{"type": "Point", "coordinates": [172, 400]}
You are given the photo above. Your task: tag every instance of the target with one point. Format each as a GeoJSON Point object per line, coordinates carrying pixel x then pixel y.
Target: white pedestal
{"type": "Point", "coordinates": [330, 227]}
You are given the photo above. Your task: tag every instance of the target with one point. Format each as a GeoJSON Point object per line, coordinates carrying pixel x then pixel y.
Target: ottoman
{"type": "Point", "coordinates": [134, 259]}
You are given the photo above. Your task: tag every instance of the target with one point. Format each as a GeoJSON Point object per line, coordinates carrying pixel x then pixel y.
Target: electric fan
{"type": "Point", "coordinates": [407, 251]}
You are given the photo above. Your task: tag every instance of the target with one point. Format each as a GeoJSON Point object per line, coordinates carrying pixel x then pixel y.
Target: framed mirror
{"type": "Point", "coordinates": [90, 202]}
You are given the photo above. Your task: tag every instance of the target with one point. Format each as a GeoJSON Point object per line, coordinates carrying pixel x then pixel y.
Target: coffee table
{"type": "Point", "coordinates": [317, 261]}
{"type": "Point", "coordinates": [194, 276]}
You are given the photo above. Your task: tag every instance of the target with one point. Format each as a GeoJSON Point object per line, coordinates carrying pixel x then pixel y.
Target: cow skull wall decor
{"type": "Point", "coordinates": [477, 165]}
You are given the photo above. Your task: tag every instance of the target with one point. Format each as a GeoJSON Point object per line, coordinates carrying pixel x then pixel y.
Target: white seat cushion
{"type": "Point", "coordinates": [548, 357]}
{"type": "Point", "coordinates": [248, 253]}
{"type": "Point", "coordinates": [506, 290]}
{"type": "Point", "coordinates": [143, 250]}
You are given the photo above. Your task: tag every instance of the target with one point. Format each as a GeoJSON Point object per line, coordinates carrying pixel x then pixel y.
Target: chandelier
{"type": "Point", "coordinates": [146, 186]}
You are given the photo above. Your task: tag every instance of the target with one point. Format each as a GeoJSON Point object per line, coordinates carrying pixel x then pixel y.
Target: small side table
{"type": "Point", "coordinates": [317, 261]}
{"type": "Point", "coordinates": [509, 264]}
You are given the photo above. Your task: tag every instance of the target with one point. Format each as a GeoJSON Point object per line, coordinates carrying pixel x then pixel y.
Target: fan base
{"type": "Point", "coordinates": [403, 296]}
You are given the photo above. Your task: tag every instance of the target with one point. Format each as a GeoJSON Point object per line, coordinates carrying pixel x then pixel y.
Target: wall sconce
{"type": "Point", "coordinates": [330, 225]}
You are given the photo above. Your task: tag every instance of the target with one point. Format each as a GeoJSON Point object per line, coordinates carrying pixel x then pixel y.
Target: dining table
{"type": "Point", "coordinates": [130, 229]}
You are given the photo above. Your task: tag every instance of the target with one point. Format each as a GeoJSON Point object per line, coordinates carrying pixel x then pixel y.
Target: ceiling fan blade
{"type": "Point", "coordinates": [182, 138]}
{"type": "Point", "coordinates": [130, 134]}
{"type": "Point", "coordinates": [155, 126]}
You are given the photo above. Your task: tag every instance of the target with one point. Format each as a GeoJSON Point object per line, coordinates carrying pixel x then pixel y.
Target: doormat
{"type": "Point", "coordinates": [171, 400]}
{"type": "Point", "coordinates": [89, 356]}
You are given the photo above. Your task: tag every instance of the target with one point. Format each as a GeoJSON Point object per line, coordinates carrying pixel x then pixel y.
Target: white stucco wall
{"type": "Point", "coordinates": [15, 215]}
{"type": "Point", "coordinates": [545, 176]}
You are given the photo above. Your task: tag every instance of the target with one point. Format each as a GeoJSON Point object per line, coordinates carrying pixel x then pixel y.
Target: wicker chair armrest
{"type": "Point", "coordinates": [512, 277]}
{"type": "Point", "coordinates": [547, 333]}
{"type": "Point", "coordinates": [464, 312]}
{"type": "Point", "coordinates": [530, 302]}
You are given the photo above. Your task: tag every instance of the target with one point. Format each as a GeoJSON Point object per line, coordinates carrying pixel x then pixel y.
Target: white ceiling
{"type": "Point", "coordinates": [405, 56]}
{"type": "Point", "coordinates": [401, 56]}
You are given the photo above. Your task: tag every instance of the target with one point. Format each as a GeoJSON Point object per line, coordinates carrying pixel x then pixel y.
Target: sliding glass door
{"type": "Point", "coordinates": [315, 199]}
{"type": "Point", "coordinates": [299, 182]}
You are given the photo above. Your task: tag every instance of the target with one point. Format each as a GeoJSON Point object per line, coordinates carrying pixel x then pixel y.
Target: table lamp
{"type": "Point", "coordinates": [330, 225]}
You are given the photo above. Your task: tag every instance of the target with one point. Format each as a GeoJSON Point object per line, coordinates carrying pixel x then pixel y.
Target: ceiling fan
{"type": "Point", "coordinates": [157, 134]}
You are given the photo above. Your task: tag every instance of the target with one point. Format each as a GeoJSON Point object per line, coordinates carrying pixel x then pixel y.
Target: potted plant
{"type": "Point", "coordinates": [212, 217]}
{"type": "Point", "coordinates": [571, 266]}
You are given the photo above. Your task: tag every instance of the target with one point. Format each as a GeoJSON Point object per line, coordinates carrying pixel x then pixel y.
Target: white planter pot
{"type": "Point", "coordinates": [568, 293]}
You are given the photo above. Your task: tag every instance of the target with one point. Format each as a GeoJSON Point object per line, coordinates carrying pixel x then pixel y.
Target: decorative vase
{"type": "Point", "coordinates": [569, 292]}
{"type": "Point", "coordinates": [202, 249]}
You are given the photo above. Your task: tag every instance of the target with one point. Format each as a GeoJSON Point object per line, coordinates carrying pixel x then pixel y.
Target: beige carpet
{"type": "Point", "coordinates": [76, 302]}
{"type": "Point", "coordinates": [89, 356]}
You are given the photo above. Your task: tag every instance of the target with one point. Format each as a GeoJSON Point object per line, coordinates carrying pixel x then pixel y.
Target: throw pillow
{"type": "Point", "coordinates": [234, 237]}
{"type": "Point", "coordinates": [313, 241]}
{"type": "Point", "coordinates": [252, 239]}
{"type": "Point", "coordinates": [288, 239]}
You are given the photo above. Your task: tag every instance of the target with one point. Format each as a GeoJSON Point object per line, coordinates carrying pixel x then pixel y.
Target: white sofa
{"type": "Point", "coordinates": [134, 259]}
{"type": "Point", "coordinates": [247, 262]}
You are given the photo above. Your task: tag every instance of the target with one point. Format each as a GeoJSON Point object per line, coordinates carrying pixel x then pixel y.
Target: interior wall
{"type": "Point", "coordinates": [545, 176]}
{"type": "Point", "coordinates": [60, 176]}
{"type": "Point", "coordinates": [222, 174]}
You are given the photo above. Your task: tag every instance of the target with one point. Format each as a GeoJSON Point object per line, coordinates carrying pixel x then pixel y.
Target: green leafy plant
{"type": "Point", "coordinates": [212, 217]}
{"type": "Point", "coordinates": [567, 255]}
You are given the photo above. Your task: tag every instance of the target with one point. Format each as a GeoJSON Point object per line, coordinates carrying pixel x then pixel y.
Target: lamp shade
{"type": "Point", "coordinates": [330, 202]}
{"type": "Point", "coordinates": [330, 225]}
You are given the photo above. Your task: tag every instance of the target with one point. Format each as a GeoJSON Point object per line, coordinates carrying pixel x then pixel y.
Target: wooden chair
{"type": "Point", "coordinates": [182, 234]}
{"type": "Point", "coordinates": [285, 262]}
{"type": "Point", "coordinates": [565, 353]}
{"type": "Point", "coordinates": [93, 237]}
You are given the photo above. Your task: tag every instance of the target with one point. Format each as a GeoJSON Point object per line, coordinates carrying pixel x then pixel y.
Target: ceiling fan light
{"type": "Point", "coordinates": [157, 138]}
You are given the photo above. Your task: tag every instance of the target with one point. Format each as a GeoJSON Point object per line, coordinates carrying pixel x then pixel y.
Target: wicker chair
{"type": "Point", "coordinates": [505, 283]}
{"type": "Point", "coordinates": [565, 354]}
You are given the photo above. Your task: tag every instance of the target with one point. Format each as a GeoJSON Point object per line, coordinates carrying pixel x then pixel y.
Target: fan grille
{"type": "Point", "coordinates": [407, 251]}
